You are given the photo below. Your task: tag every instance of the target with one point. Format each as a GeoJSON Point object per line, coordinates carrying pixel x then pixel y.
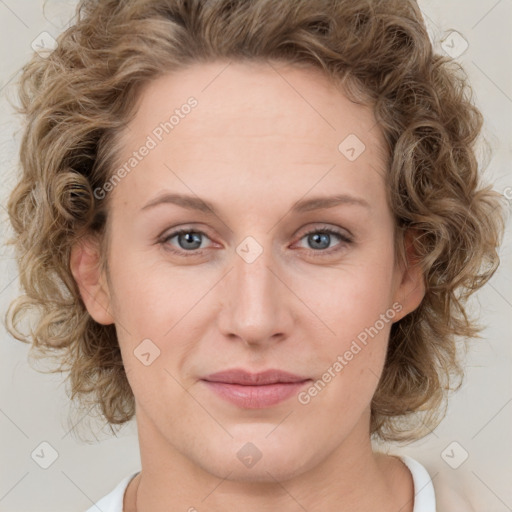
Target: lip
{"type": "Point", "coordinates": [243, 377]}
{"type": "Point", "coordinates": [255, 390]}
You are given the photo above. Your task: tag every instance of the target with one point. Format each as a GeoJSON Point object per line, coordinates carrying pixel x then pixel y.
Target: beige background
{"type": "Point", "coordinates": [34, 406]}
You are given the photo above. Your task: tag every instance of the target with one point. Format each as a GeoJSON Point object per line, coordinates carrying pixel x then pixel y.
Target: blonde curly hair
{"type": "Point", "coordinates": [77, 101]}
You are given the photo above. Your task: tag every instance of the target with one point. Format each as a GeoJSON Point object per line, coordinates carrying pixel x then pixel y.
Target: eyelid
{"type": "Point", "coordinates": [167, 235]}
{"type": "Point", "coordinates": [345, 240]}
{"type": "Point", "coordinates": [343, 233]}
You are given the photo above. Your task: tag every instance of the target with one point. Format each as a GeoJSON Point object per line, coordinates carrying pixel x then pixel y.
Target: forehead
{"type": "Point", "coordinates": [267, 122]}
{"type": "Point", "coordinates": [255, 92]}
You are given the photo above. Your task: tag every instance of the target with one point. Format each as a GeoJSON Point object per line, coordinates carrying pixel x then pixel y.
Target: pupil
{"type": "Point", "coordinates": [189, 238]}
{"type": "Point", "coordinates": [316, 239]}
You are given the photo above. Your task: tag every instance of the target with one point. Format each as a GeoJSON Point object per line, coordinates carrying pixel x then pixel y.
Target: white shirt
{"type": "Point", "coordinates": [424, 495]}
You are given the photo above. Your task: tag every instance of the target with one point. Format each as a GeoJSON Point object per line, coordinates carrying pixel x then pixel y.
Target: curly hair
{"type": "Point", "coordinates": [78, 99]}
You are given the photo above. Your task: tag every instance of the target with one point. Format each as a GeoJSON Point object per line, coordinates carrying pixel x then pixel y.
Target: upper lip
{"type": "Point", "coordinates": [240, 376]}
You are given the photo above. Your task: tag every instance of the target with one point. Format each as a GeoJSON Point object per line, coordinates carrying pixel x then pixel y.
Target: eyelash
{"type": "Point", "coordinates": [345, 240]}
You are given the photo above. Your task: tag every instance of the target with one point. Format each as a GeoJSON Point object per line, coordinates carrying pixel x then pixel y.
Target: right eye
{"type": "Point", "coordinates": [188, 240]}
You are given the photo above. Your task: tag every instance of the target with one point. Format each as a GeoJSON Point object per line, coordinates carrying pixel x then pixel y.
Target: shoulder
{"type": "Point", "coordinates": [113, 501]}
{"type": "Point", "coordinates": [435, 489]}
{"type": "Point", "coordinates": [451, 489]}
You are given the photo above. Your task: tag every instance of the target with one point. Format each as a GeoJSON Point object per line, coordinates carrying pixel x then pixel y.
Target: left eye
{"type": "Point", "coordinates": [320, 238]}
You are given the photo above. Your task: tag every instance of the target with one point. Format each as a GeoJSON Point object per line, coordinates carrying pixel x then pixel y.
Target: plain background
{"type": "Point", "coordinates": [34, 406]}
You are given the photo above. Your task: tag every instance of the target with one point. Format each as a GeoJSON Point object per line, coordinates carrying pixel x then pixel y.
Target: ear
{"type": "Point", "coordinates": [85, 267]}
{"type": "Point", "coordinates": [411, 280]}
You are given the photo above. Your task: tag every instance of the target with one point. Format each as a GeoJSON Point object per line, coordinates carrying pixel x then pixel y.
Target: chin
{"type": "Point", "coordinates": [260, 459]}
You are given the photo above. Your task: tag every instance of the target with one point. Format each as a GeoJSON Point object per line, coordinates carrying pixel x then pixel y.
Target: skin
{"type": "Point", "coordinates": [254, 145]}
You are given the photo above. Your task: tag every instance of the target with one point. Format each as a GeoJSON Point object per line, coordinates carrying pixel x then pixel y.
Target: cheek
{"type": "Point", "coordinates": [354, 312]}
{"type": "Point", "coordinates": [347, 300]}
{"type": "Point", "coordinates": [349, 362]}
{"type": "Point", "coordinates": [150, 298]}
{"type": "Point", "coordinates": [153, 309]}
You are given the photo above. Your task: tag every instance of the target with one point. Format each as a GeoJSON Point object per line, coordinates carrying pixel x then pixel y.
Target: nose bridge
{"type": "Point", "coordinates": [254, 306]}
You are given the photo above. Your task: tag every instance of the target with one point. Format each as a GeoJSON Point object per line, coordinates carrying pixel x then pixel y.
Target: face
{"type": "Point", "coordinates": [267, 277]}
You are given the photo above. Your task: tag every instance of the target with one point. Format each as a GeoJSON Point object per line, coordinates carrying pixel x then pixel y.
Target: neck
{"type": "Point", "coordinates": [351, 478]}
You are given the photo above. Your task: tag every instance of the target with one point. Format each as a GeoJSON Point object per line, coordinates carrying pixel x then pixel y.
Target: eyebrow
{"type": "Point", "coordinates": [304, 205]}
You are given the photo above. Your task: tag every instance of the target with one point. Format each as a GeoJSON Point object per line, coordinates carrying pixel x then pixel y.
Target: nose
{"type": "Point", "coordinates": [256, 303]}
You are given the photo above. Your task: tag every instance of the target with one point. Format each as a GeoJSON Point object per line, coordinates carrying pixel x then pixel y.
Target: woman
{"type": "Point", "coordinates": [245, 224]}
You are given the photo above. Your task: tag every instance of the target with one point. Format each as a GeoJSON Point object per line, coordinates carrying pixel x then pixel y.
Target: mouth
{"type": "Point", "coordinates": [255, 390]}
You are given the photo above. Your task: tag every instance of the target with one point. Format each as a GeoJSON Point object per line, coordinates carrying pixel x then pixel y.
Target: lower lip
{"type": "Point", "coordinates": [256, 397]}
